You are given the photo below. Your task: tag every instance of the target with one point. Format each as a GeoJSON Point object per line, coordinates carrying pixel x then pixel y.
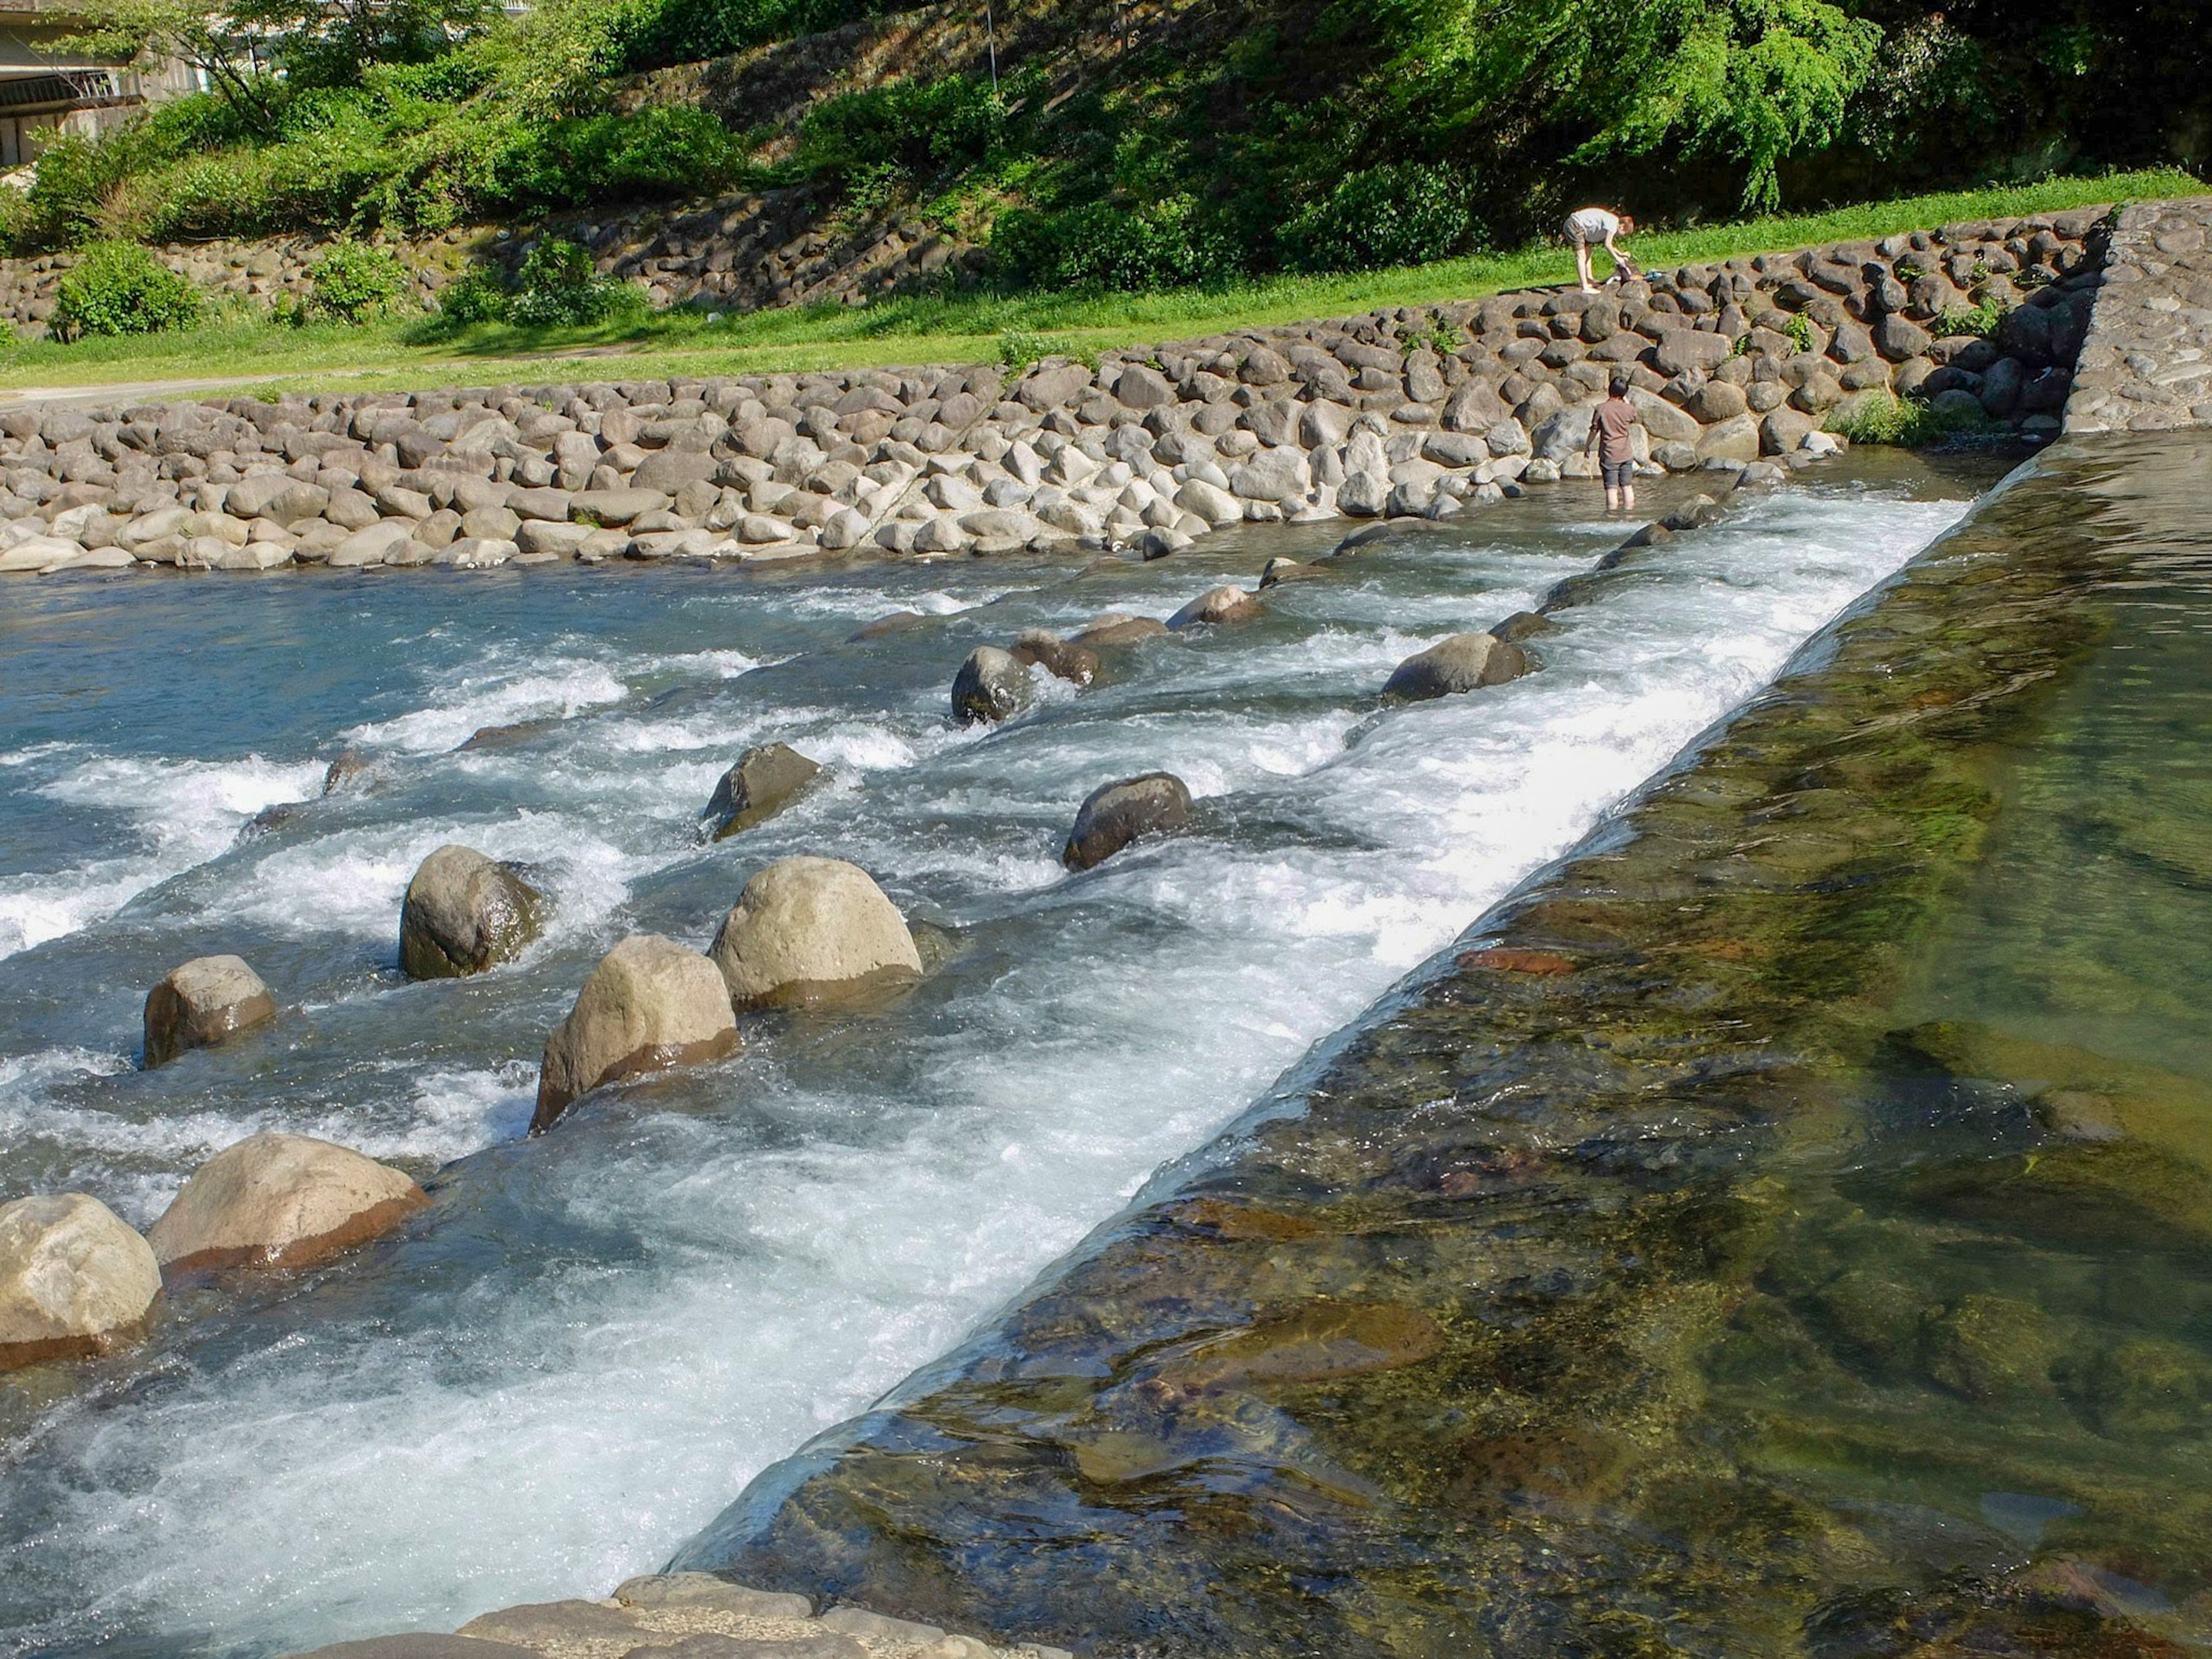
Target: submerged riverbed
{"type": "Point", "coordinates": [1788, 1229]}
{"type": "Point", "coordinates": [564, 1369]}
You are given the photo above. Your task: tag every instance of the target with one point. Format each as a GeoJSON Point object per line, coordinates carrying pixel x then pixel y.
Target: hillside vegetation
{"type": "Point", "coordinates": [1124, 143]}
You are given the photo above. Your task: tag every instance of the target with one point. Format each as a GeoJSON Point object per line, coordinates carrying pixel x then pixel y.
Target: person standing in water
{"type": "Point", "coordinates": [1611, 424]}
{"type": "Point", "coordinates": [1599, 225]}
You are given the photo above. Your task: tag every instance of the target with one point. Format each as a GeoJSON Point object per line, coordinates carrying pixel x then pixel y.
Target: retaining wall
{"type": "Point", "coordinates": [1415, 410]}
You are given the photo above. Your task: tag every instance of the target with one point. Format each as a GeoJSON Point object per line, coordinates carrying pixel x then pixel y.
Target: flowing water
{"type": "Point", "coordinates": [567, 1366]}
{"type": "Point", "coordinates": [1788, 1231]}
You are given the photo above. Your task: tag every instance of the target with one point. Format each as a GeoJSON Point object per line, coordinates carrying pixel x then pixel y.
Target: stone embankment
{"type": "Point", "coordinates": [2147, 363]}
{"type": "Point", "coordinates": [1430, 412]}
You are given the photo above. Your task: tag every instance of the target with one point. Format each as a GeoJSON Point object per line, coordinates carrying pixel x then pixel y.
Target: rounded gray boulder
{"type": "Point", "coordinates": [1063, 659]}
{"type": "Point", "coordinates": [766, 780]}
{"type": "Point", "coordinates": [650, 1005]}
{"type": "Point", "coordinates": [1216, 605]}
{"type": "Point", "coordinates": [207, 1000]}
{"type": "Point", "coordinates": [1465, 662]}
{"type": "Point", "coordinates": [991, 685]}
{"type": "Point", "coordinates": [1115, 814]}
{"type": "Point", "coordinates": [464, 914]}
{"type": "Point", "coordinates": [812, 930]}
{"type": "Point", "coordinates": [73, 1280]}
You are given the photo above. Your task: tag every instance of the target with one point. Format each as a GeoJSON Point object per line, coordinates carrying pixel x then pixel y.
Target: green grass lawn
{"type": "Point", "coordinates": [954, 329]}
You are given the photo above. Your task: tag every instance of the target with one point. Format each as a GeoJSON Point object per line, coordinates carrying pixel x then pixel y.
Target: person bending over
{"type": "Point", "coordinates": [1586, 225]}
{"type": "Point", "coordinates": [1611, 424]}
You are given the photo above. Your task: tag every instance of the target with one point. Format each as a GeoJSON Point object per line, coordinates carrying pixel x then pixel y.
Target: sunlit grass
{"type": "Point", "coordinates": [960, 328]}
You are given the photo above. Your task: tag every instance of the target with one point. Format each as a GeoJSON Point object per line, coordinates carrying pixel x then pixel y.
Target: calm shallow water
{"type": "Point", "coordinates": [569, 1364]}
{"type": "Point", "coordinates": [1798, 1241]}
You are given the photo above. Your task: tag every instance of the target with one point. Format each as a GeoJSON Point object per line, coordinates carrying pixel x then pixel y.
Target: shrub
{"type": "Point", "coordinates": [119, 287]}
{"type": "Point", "coordinates": [1164, 244]}
{"type": "Point", "coordinates": [558, 287]}
{"type": "Point", "coordinates": [555, 287]}
{"type": "Point", "coordinates": [353, 282]}
{"type": "Point", "coordinates": [476, 296]}
{"type": "Point", "coordinates": [1404, 214]}
{"type": "Point", "coordinates": [919, 126]}
{"type": "Point", "coordinates": [1018, 350]}
{"type": "Point", "coordinates": [1982, 322]}
{"type": "Point", "coordinates": [659, 151]}
{"type": "Point", "coordinates": [1883, 417]}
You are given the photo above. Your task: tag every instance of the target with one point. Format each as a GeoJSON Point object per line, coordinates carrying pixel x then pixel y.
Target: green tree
{"type": "Point", "coordinates": [1755, 81]}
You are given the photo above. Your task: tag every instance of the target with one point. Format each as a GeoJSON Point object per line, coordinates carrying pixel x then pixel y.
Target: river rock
{"type": "Point", "coordinates": [710, 1592]}
{"type": "Point", "coordinates": [1115, 814]}
{"type": "Point", "coordinates": [811, 930]}
{"type": "Point", "coordinates": [420, 1644]}
{"type": "Point", "coordinates": [766, 780]}
{"type": "Point", "coordinates": [73, 1280]}
{"type": "Point", "coordinates": [1523, 625]}
{"type": "Point", "coordinates": [279, 1200]}
{"type": "Point", "coordinates": [991, 685]}
{"type": "Point", "coordinates": [207, 1000]}
{"type": "Point", "coordinates": [1111, 631]}
{"type": "Point", "coordinates": [1280, 570]}
{"type": "Point", "coordinates": [1465, 662]}
{"type": "Point", "coordinates": [464, 914]}
{"type": "Point", "coordinates": [1225, 603]}
{"type": "Point", "coordinates": [1065, 659]}
{"type": "Point", "coordinates": [650, 1005]}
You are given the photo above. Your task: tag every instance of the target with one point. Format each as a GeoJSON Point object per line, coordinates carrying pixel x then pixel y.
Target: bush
{"type": "Point", "coordinates": [659, 151]}
{"type": "Point", "coordinates": [1983, 321]}
{"type": "Point", "coordinates": [1883, 417]}
{"type": "Point", "coordinates": [119, 287]}
{"type": "Point", "coordinates": [919, 126]}
{"type": "Point", "coordinates": [353, 283]}
{"type": "Point", "coordinates": [684, 31]}
{"type": "Point", "coordinates": [1404, 214]}
{"type": "Point", "coordinates": [555, 287]}
{"type": "Point", "coordinates": [476, 296]}
{"type": "Point", "coordinates": [1165, 244]}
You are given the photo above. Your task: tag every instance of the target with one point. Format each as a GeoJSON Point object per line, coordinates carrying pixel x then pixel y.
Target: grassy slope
{"type": "Point", "coordinates": [961, 329]}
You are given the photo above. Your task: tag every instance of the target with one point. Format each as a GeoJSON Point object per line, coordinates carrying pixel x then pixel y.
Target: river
{"type": "Point", "coordinates": [569, 1364]}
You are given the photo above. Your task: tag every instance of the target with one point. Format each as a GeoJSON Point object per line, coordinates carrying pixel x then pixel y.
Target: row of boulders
{"type": "Point", "coordinates": [1411, 411]}
{"type": "Point", "coordinates": [76, 1279]}
{"type": "Point", "coordinates": [805, 931]}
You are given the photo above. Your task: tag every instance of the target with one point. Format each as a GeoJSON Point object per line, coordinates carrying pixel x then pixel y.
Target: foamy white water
{"type": "Point", "coordinates": [591, 1343]}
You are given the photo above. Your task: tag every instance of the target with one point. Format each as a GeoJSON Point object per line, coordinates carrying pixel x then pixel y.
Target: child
{"type": "Point", "coordinates": [1597, 224]}
{"type": "Point", "coordinates": [1611, 422]}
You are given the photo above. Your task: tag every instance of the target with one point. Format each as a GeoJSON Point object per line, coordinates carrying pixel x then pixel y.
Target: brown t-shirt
{"type": "Point", "coordinates": [1614, 418]}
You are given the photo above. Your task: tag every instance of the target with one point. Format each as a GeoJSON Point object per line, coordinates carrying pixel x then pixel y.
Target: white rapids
{"type": "Point", "coordinates": [593, 1339]}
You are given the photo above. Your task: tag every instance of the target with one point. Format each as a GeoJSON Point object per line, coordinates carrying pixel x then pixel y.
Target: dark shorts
{"type": "Point", "coordinates": [1617, 475]}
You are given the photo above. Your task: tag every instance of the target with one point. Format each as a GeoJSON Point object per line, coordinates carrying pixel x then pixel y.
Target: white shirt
{"type": "Point", "coordinates": [1592, 225]}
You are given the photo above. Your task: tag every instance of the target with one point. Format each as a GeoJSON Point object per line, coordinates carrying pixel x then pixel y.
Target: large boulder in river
{"type": "Point", "coordinates": [279, 1200]}
{"type": "Point", "coordinates": [73, 1280]}
{"type": "Point", "coordinates": [1216, 605]}
{"type": "Point", "coordinates": [1065, 660]}
{"type": "Point", "coordinates": [1465, 662]}
{"type": "Point", "coordinates": [812, 930]}
{"type": "Point", "coordinates": [650, 1005]}
{"type": "Point", "coordinates": [766, 780]}
{"type": "Point", "coordinates": [464, 914]}
{"type": "Point", "coordinates": [991, 685]}
{"type": "Point", "coordinates": [208, 1000]}
{"type": "Point", "coordinates": [1115, 814]}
